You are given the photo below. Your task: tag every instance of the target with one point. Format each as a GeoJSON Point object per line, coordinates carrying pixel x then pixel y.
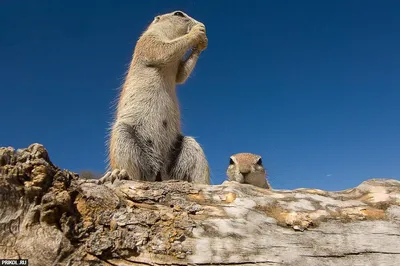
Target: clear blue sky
{"type": "Point", "coordinates": [312, 86]}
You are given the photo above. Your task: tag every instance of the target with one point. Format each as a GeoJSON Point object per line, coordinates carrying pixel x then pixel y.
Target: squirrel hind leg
{"type": "Point", "coordinates": [188, 162]}
{"type": "Point", "coordinates": [135, 153]}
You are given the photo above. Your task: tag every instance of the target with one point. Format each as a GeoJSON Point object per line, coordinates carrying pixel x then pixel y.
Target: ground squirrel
{"type": "Point", "coordinates": [145, 139]}
{"type": "Point", "coordinates": [247, 168]}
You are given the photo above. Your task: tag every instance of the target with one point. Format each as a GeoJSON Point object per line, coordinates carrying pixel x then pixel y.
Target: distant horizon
{"type": "Point", "coordinates": [312, 87]}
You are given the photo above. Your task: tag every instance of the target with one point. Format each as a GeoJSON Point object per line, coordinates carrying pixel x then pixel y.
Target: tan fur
{"type": "Point", "coordinates": [145, 141]}
{"type": "Point", "coordinates": [247, 168]}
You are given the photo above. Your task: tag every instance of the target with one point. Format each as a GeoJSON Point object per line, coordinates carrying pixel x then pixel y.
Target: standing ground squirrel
{"type": "Point", "coordinates": [145, 140]}
{"type": "Point", "coordinates": [247, 168]}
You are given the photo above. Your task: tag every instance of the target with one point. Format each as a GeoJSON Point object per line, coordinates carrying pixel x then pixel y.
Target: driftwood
{"type": "Point", "coordinates": [52, 217]}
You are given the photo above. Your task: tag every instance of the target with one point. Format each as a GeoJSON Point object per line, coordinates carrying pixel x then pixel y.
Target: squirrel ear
{"type": "Point", "coordinates": [156, 19]}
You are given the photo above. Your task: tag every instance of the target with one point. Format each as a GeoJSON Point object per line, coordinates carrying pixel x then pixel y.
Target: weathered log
{"type": "Point", "coordinates": [52, 217]}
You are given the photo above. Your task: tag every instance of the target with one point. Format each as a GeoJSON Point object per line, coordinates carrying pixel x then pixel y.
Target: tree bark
{"type": "Point", "coordinates": [52, 216]}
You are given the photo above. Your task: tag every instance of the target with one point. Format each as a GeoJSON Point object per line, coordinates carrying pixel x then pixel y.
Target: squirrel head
{"type": "Point", "coordinates": [174, 24]}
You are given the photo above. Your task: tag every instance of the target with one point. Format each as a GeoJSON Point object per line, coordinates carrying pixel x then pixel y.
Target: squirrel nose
{"type": "Point", "coordinates": [245, 171]}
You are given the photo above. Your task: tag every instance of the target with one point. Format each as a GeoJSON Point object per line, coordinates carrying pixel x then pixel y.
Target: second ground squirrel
{"type": "Point", "coordinates": [247, 168]}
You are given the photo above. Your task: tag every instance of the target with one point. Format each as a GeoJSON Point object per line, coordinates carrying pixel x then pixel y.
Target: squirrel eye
{"type": "Point", "coordinates": [179, 14]}
{"type": "Point", "coordinates": [259, 162]}
{"type": "Point", "coordinates": [231, 162]}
